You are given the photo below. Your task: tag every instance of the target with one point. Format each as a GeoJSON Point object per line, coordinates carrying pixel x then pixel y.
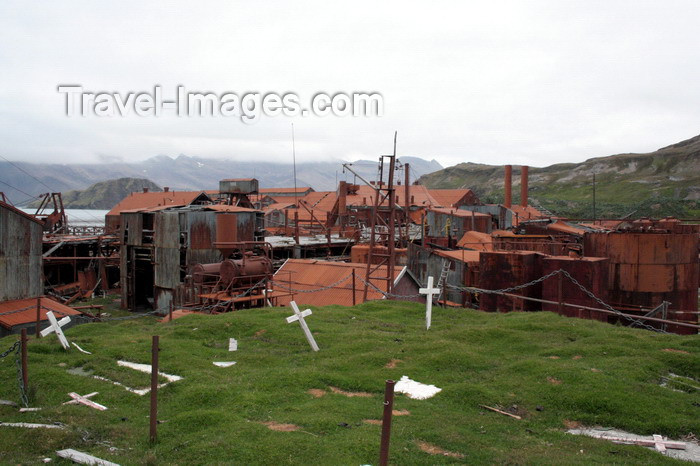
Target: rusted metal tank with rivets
{"type": "Point", "coordinates": [246, 271]}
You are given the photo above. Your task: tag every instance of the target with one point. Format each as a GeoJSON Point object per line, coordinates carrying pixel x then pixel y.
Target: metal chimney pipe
{"type": "Point", "coordinates": [509, 186]}
{"type": "Point", "coordinates": [523, 185]}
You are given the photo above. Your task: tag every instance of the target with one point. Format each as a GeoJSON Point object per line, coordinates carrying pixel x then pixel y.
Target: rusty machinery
{"type": "Point", "coordinates": [240, 280]}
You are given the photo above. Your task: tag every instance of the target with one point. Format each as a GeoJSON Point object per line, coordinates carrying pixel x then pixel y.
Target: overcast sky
{"type": "Point", "coordinates": [489, 82]}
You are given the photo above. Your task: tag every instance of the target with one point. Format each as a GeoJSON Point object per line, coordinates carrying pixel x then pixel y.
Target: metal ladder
{"type": "Point", "coordinates": [443, 277]}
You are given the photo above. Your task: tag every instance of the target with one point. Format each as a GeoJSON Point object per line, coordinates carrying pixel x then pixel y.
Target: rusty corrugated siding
{"type": "Point", "coordinates": [648, 268]}
{"type": "Point", "coordinates": [591, 272]}
{"type": "Point", "coordinates": [20, 255]}
{"type": "Point", "coordinates": [500, 270]}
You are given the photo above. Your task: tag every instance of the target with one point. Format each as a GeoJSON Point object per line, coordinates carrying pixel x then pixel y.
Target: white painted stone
{"type": "Point", "coordinates": [232, 344]}
{"type": "Point", "coordinates": [299, 316]}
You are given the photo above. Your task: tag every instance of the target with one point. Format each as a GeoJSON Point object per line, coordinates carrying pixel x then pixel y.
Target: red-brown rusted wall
{"type": "Point", "coordinates": [498, 270]}
{"type": "Point", "coordinates": [591, 272]}
{"type": "Point", "coordinates": [648, 268]}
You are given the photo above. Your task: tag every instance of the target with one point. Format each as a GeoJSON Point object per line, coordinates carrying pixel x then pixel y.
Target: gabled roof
{"type": "Point", "coordinates": [458, 212]}
{"type": "Point", "coordinates": [525, 213]}
{"type": "Point", "coordinates": [156, 199]}
{"type": "Point", "coordinates": [449, 197]}
{"type": "Point", "coordinates": [310, 274]}
{"type": "Point", "coordinates": [28, 312]}
{"type": "Point", "coordinates": [15, 210]}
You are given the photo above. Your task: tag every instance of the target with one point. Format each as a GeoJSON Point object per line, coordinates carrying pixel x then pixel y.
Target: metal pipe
{"type": "Point", "coordinates": [523, 185]}
{"type": "Point", "coordinates": [509, 186]}
{"type": "Point", "coordinates": [154, 387]}
{"type": "Point", "coordinates": [386, 423]}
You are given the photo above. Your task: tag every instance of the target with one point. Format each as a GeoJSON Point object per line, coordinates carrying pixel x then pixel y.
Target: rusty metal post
{"type": "Point", "coordinates": [154, 388]}
{"type": "Point", "coordinates": [386, 422]}
{"type": "Point", "coordinates": [296, 227]}
{"type": "Point", "coordinates": [560, 293]}
{"type": "Point", "coordinates": [23, 346]}
{"type": "Point", "coordinates": [38, 316]}
{"type": "Point", "coordinates": [407, 202]}
{"type": "Point", "coordinates": [286, 222]}
{"type": "Point", "coordinates": [509, 186]}
{"type": "Point", "coordinates": [170, 312]}
{"type": "Point", "coordinates": [353, 287]}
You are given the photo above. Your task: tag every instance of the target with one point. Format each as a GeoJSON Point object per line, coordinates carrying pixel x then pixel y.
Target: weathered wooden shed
{"type": "Point", "coordinates": [20, 254]}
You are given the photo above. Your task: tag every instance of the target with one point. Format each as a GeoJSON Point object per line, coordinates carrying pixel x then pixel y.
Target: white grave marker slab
{"type": "Point", "coordinates": [299, 316]}
{"type": "Point", "coordinates": [232, 344]}
{"type": "Point", "coordinates": [55, 326]}
{"type": "Point", "coordinates": [224, 363]}
{"type": "Point", "coordinates": [429, 291]}
{"type": "Point", "coordinates": [415, 390]}
{"type": "Point", "coordinates": [83, 458]}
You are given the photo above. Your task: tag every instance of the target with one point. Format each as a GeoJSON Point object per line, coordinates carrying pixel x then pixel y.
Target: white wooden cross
{"type": "Point", "coordinates": [84, 401]}
{"type": "Point", "coordinates": [55, 326]}
{"type": "Point", "coordinates": [300, 317]}
{"type": "Point", "coordinates": [429, 291]}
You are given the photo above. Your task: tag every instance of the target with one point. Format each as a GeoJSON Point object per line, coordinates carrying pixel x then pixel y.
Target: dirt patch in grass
{"type": "Point", "coordinates": [316, 392]}
{"type": "Point", "coordinates": [571, 424]}
{"type": "Point", "coordinates": [553, 357]}
{"type": "Point", "coordinates": [672, 350]}
{"type": "Point", "coordinates": [392, 364]}
{"type": "Point", "coordinates": [272, 425]}
{"type": "Point", "coordinates": [350, 394]}
{"type": "Point", "coordinates": [553, 381]}
{"type": "Point", "coordinates": [593, 369]}
{"type": "Point", "coordinates": [401, 412]}
{"type": "Point", "coordinates": [435, 450]}
{"type": "Point", "coordinates": [259, 333]}
{"type": "Point", "coordinates": [374, 422]}
{"type": "Point", "coordinates": [578, 356]}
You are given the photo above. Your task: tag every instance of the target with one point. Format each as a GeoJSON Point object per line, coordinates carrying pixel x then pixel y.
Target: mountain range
{"type": "Point", "coordinates": [22, 181]}
{"type": "Point", "coordinates": [654, 184]}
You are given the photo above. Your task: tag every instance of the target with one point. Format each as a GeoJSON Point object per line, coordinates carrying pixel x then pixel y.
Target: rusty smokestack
{"type": "Point", "coordinates": [509, 186]}
{"type": "Point", "coordinates": [523, 185]}
{"type": "Point", "coordinates": [166, 189]}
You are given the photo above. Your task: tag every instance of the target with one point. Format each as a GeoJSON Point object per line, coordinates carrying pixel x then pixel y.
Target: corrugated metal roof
{"type": "Point", "coordinates": [19, 212]}
{"type": "Point", "coordinates": [300, 189]}
{"type": "Point", "coordinates": [461, 255]}
{"type": "Point", "coordinates": [458, 212]}
{"type": "Point", "coordinates": [309, 274]}
{"type": "Point", "coordinates": [227, 208]}
{"type": "Point", "coordinates": [155, 199]}
{"type": "Point", "coordinates": [448, 197]}
{"type": "Point", "coordinates": [29, 315]}
{"type": "Point", "coordinates": [477, 241]}
{"type": "Point", "coordinates": [525, 213]}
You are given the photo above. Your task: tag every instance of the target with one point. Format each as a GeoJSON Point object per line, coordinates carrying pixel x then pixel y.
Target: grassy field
{"type": "Point", "coordinates": [553, 371]}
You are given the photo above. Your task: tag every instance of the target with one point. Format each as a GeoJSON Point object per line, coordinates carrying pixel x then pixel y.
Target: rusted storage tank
{"type": "Point", "coordinates": [591, 272]}
{"type": "Point", "coordinates": [504, 269]}
{"type": "Point", "coordinates": [245, 272]}
{"type": "Point", "coordinates": [648, 268]}
{"type": "Point", "coordinates": [205, 273]}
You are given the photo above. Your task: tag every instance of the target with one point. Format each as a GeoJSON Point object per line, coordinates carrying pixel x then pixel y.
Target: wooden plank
{"type": "Point", "coordinates": [499, 411]}
{"type": "Point", "coordinates": [83, 458]}
{"type": "Point", "coordinates": [57, 329]}
{"type": "Point", "coordinates": [29, 425]}
{"type": "Point", "coordinates": [48, 330]}
{"type": "Point", "coordinates": [86, 402]}
{"type": "Point", "coordinates": [643, 442]}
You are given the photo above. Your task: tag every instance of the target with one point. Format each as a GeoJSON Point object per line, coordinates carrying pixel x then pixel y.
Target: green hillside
{"type": "Point", "coordinates": [552, 371]}
{"type": "Point", "coordinates": [105, 194]}
{"type": "Point", "coordinates": [656, 184]}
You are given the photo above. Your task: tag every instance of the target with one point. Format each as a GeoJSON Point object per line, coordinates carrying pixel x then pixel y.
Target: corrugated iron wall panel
{"type": "Point", "coordinates": [167, 230]}
{"type": "Point", "coordinates": [20, 256]}
{"type": "Point", "coordinates": [166, 272]}
{"type": "Point", "coordinates": [201, 228]}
